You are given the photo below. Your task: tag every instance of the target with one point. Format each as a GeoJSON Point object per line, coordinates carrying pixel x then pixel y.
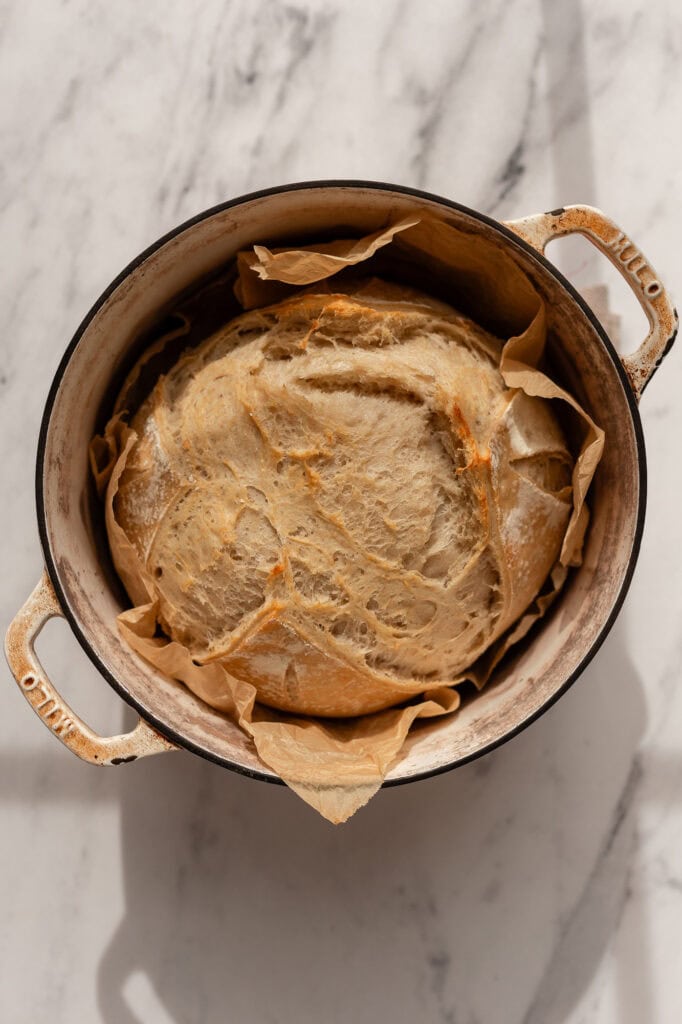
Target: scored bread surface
{"type": "Point", "coordinates": [339, 499]}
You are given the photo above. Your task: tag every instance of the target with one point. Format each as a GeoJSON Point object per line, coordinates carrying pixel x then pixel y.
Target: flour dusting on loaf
{"type": "Point", "coordinates": [339, 499]}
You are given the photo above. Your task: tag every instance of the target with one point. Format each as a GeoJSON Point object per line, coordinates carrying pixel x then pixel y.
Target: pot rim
{"type": "Point", "coordinates": [503, 230]}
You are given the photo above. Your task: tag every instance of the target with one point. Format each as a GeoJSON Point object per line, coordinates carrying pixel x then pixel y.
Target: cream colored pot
{"type": "Point", "coordinates": [78, 582]}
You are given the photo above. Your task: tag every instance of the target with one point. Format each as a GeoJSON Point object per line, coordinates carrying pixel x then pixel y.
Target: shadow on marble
{"type": "Point", "coordinates": [28, 778]}
{"type": "Point", "coordinates": [489, 894]}
{"type": "Point", "coordinates": [568, 101]}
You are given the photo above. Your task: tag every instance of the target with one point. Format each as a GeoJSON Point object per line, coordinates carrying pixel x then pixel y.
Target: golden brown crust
{"type": "Point", "coordinates": [338, 499]}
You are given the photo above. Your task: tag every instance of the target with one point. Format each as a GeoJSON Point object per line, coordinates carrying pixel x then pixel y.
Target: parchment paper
{"type": "Point", "coordinates": [337, 765]}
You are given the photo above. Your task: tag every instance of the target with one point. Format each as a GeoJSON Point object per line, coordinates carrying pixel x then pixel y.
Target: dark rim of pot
{"type": "Point", "coordinates": [503, 230]}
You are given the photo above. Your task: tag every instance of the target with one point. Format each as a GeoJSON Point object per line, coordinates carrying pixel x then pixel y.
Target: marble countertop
{"type": "Point", "coordinates": [541, 884]}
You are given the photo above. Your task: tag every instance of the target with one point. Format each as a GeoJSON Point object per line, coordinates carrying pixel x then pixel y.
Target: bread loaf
{"type": "Point", "coordinates": [338, 498]}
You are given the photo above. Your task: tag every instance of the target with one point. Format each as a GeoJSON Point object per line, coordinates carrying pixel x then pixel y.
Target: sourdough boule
{"type": "Point", "coordinates": [339, 499]}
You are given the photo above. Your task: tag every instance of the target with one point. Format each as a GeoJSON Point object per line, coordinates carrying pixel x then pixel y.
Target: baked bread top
{"type": "Point", "coordinates": [338, 498]}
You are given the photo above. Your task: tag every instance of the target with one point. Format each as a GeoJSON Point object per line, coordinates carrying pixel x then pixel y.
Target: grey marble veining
{"type": "Point", "coordinates": [540, 885]}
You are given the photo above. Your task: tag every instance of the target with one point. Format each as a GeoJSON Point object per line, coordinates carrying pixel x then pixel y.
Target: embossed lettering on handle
{"type": "Point", "coordinates": [541, 228]}
{"type": "Point", "coordinates": [635, 265]}
{"type": "Point", "coordinates": [41, 606]}
{"type": "Point", "coordinates": [48, 707]}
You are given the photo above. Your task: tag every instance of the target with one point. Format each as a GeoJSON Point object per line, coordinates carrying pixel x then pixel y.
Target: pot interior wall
{"type": "Point", "coordinates": [525, 682]}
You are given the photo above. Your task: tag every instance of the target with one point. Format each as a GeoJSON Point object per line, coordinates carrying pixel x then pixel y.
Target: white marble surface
{"type": "Point", "coordinates": [542, 884]}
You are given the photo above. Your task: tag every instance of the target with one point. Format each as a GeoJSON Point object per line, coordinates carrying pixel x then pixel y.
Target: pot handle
{"type": "Point", "coordinates": [51, 707]}
{"type": "Point", "coordinates": [541, 228]}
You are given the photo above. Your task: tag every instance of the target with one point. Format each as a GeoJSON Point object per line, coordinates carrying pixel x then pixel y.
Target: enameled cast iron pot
{"type": "Point", "coordinates": [76, 585]}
